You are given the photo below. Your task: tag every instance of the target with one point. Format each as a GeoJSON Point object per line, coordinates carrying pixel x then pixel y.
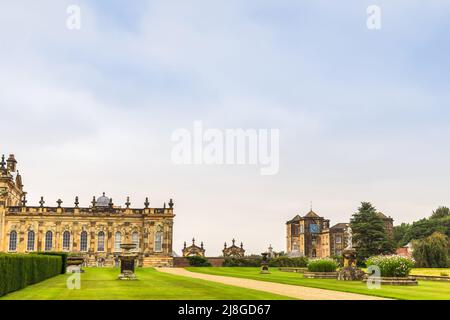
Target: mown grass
{"type": "Point", "coordinates": [426, 290]}
{"type": "Point", "coordinates": [102, 284]}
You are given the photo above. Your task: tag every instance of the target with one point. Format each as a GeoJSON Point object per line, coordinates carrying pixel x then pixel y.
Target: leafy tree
{"type": "Point", "coordinates": [369, 233]}
{"type": "Point", "coordinates": [432, 252]}
{"type": "Point", "coordinates": [440, 212]}
{"type": "Point", "coordinates": [399, 234]}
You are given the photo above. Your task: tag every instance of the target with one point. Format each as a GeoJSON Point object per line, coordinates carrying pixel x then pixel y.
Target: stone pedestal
{"type": "Point", "coordinates": [264, 264]}
{"type": "Point", "coordinates": [74, 264]}
{"type": "Point", "coordinates": [127, 262]}
{"type": "Point", "coordinates": [350, 272]}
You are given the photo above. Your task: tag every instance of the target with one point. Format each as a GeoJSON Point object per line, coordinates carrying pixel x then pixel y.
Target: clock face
{"type": "Point", "coordinates": [313, 228]}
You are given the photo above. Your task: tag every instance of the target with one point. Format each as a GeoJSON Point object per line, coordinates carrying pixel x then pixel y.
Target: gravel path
{"type": "Point", "coordinates": [298, 292]}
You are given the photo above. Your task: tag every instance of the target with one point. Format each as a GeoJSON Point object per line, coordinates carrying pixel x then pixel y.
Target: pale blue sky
{"type": "Point", "coordinates": [363, 115]}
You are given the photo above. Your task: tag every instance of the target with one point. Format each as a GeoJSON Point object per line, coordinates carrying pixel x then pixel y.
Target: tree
{"type": "Point", "coordinates": [369, 233]}
{"type": "Point", "coordinates": [432, 252]}
{"type": "Point", "coordinates": [399, 234]}
{"type": "Point", "coordinates": [440, 212]}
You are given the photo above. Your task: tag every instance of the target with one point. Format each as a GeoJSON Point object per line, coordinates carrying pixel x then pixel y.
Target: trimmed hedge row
{"type": "Point", "coordinates": [63, 256]}
{"type": "Point", "coordinates": [20, 270]}
{"type": "Point", "coordinates": [196, 261]}
{"type": "Point", "coordinates": [274, 262]}
{"type": "Point", "coordinates": [322, 265]}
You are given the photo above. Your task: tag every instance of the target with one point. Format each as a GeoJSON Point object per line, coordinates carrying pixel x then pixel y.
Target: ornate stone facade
{"type": "Point", "coordinates": [94, 232]}
{"type": "Point", "coordinates": [193, 250]}
{"type": "Point", "coordinates": [234, 250]}
{"type": "Point", "coordinates": [312, 236]}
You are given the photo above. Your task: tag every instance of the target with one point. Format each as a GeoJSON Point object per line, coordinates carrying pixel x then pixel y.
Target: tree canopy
{"type": "Point", "coordinates": [369, 234]}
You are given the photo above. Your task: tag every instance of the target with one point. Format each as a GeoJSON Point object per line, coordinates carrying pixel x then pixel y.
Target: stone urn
{"type": "Point", "coordinates": [74, 264]}
{"type": "Point", "coordinates": [264, 263]}
{"type": "Point", "coordinates": [127, 261]}
{"type": "Point", "coordinates": [350, 272]}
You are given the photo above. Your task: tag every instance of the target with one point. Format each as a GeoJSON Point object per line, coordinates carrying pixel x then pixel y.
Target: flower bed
{"type": "Point", "coordinates": [392, 266]}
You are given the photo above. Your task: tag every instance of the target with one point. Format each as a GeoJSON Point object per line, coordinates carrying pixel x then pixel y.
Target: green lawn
{"type": "Point", "coordinates": [101, 284]}
{"type": "Point", "coordinates": [426, 290]}
{"type": "Point", "coordinates": [430, 271]}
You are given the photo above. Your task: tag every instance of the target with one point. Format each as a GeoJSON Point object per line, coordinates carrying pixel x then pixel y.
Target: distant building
{"type": "Point", "coordinates": [405, 251]}
{"type": "Point", "coordinates": [312, 236]}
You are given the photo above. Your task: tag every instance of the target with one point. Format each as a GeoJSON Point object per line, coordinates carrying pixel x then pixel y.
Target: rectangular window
{"type": "Point", "coordinates": [158, 241]}
{"type": "Point", "coordinates": [338, 239]}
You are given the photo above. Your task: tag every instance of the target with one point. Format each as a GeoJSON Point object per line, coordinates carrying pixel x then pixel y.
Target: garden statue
{"type": "Point", "coordinates": [349, 239]}
{"type": "Point", "coordinates": [350, 271]}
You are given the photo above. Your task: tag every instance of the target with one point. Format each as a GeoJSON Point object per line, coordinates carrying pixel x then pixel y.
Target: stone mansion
{"type": "Point", "coordinates": [312, 236]}
{"type": "Point", "coordinates": [95, 232]}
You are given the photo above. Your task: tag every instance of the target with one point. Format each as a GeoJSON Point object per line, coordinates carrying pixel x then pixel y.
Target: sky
{"type": "Point", "coordinates": [362, 114]}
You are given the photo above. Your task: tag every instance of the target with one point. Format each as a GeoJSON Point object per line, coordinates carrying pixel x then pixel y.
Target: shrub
{"type": "Point", "coordinates": [197, 261]}
{"type": "Point", "coordinates": [392, 265]}
{"type": "Point", "coordinates": [444, 274]}
{"type": "Point", "coordinates": [63, 256]}
{"type": "Point", "coordinates": [299, 262]}
{"type": "Point", "coordinates": [242, 262]}
{"type": "Point", "coordinates": [20, 270]}
{"type": "Point", "coordinates": [322, 265]}
{"type": "Point", "coordinates": [432, 252]}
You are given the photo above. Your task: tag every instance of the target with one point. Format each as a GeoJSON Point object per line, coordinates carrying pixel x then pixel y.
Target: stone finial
{"type": "Point", "coordinates": [225, 245]}
{"type": "Point", "coordinates": [201, 245]}
{"type": "Point", "coordinates": [128, 203]}
{"type": "Point", "coordinates": [242, 245]}
{"type": "Point", "coordinates": [94, 202]}
{"type": "Point", "coordinates": [193, 241]}
{"type": "Point", "coordinates": [111, 204]}
{"type": "Point", "coordinates": [42, 202]}
{"type": "Point", "coordinates": [76, 202]}
{"type": "Point", "coordinates": [184, 246]}
{"type": "Point", "coordinates": [59, 202]}
{"type": "Point", "coordinates": [164, 205]}
{"type": "Point", "coordinates": [171, 204]}
{"type": "Point", "coordinates": [146, 203]}
{"type": "Point", "coordinates": [233, 241]}
{"type": "Point", "coordinates": [3, 163]}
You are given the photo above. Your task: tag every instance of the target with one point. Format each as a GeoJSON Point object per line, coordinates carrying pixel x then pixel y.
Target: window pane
{"type": "Point", "coordinates": [48, 241]}
{"type": "Point", "coordinates": [101, 241]}
{"type": "Point", "coordinates": [83, 241]}
{"type": "Point", "coordinates": [66, 240]}
{"type": "Point", "coordinates": [13, 241]}
{"type": "Point", "coordinates": [158, 241]}
{"type": "Point", "coordinates": [30, 242]}
{"type": "Point", "coordinates": [117, 242]}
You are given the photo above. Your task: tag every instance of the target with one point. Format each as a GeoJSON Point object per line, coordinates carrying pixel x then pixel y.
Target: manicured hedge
{"type": "Point", "coordinates": [274, 262]}
{"type": "Point", "coordinates": [20, 270]}
{"type": "Point", "coordinates": [322, 265]}
{"type": "Point", "coordinates": [63, 256]}
{"type": "Point", "coordinates": [299, 262]}
{"type": "Point", "coordinates": [196, 261]}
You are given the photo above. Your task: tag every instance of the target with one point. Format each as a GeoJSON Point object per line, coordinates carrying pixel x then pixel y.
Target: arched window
{"type": "Point", "coordinates": [48, 241]}
{"type": "Point", "coordinates": [101, 241]}
{"type": "Point", "coordinates": [135, 239]}
{"type": "Point", "coordinates": [83, 241]}
{"type": "Point", "coordinates": [117, 241]}
{"type": "Point", "coordinates": [158, 241]}
{"type": "Point", "coordinates": [13, 241]}
{"type": "Point", "coordinates": [66, 241]}
{"type": "Point", "coordinates": [30, 242]}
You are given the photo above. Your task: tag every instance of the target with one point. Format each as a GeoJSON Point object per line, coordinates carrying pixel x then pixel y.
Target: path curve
{"type": "Point", "coordinates": [298, 292]}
